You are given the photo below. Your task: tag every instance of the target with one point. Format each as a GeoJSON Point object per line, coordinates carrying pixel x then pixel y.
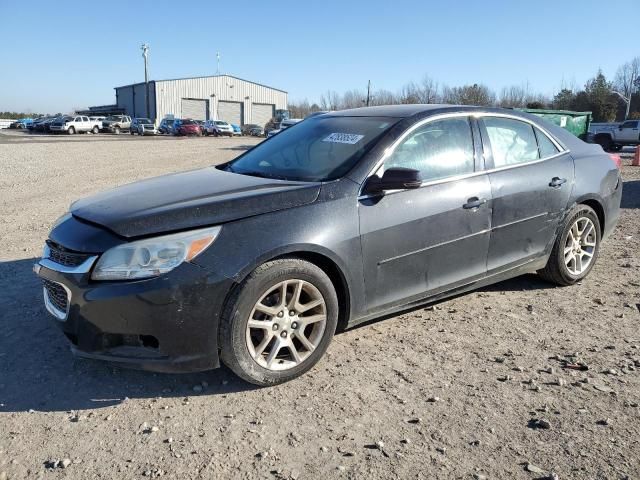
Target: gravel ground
{"type": "Point", "coordinates": [473, 387]}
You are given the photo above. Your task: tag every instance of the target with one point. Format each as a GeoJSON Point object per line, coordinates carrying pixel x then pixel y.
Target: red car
{"type": "Point", "coordinates": [189, 127]}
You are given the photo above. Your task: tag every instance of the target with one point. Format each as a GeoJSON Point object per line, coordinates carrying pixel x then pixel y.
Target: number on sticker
{"type": "Point", "coordinates": [350, 138]}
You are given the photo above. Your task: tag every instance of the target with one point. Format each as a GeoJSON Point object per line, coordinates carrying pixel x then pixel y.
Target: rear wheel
{"type": "Point", "coordinates": [576, 249]}
{"type": "Point", "coordinates": [279, 322]}
{"type": "Point", "coordinates": [95, 130]}
{"type": "Point", "coordinates": [615, 147]}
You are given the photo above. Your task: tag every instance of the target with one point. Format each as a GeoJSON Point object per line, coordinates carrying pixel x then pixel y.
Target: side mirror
{"type": "Point", "coordinates": [397, 178]}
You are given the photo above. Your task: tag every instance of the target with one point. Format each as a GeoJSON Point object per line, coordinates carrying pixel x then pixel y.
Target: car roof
{"type": "Point", "coordinates": [409, 110]}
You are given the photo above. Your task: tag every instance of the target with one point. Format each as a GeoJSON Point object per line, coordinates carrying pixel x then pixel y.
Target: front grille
{"type": "Point", "coordinates": [56, 294]}
{"type": "Point", "coordinates": [65, 257]}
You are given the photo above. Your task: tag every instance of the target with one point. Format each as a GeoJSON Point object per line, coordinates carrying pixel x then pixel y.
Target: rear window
{"type": "Point", "coordinates": [512, 141]}
{"type": "Point", "coordinates": [546, 146]}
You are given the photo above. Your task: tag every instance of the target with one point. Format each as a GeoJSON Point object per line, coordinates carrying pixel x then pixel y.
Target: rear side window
{"type": "Point", "coordinates": [438, 149]}
{"type": "Point", "coordinates": [631, 124]}
{"type": "Point", "coordinates": [512, 141]}
{"type": "Point", "coordinates": [545, 145]}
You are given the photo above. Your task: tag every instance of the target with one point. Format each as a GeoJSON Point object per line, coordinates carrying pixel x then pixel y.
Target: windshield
{"type": "Point", "coordinates": [144, 120]}
{"type": "Point", "coordinates": [315, 150]}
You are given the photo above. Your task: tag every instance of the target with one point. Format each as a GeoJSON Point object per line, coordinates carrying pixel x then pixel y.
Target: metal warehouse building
{"type": "Point", "coordinates": [219, 97]}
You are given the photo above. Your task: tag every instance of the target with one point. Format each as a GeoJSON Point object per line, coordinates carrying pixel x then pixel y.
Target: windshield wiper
{"type": "Point", "coordinates": [263, 175]}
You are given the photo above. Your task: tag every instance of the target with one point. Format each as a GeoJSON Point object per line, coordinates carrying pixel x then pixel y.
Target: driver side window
{"type": "Point", "coordinates": [438, 149]}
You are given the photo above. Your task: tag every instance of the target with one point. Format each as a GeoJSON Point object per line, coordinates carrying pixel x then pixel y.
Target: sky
{"type": "Point", "coordinates": [58, 56]}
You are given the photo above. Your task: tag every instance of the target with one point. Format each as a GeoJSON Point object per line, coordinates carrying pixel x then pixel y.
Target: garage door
{"type": "Point", "coordinates": [193, 108]}
{"type": "Point", "coordinates": [230, 112]}
{"type": "Point", "coordinates": [261, 113]}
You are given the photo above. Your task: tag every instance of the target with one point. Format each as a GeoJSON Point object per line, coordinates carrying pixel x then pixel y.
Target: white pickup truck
{"type": "Point", "coordinates": [75, 124]}
{"type": "Point", "coordinates": [614, 136]}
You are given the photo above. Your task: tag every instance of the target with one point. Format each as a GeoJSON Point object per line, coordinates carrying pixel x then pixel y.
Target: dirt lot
{"type": "Point", "coordinates": [455, 390]}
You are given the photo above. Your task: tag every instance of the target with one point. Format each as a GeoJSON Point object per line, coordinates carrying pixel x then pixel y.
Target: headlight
{"type": "Point", "coordinates": [153, 256]}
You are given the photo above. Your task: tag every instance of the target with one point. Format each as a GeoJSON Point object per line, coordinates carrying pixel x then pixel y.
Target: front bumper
{"type": "Point", "coordinates": [164, 324]}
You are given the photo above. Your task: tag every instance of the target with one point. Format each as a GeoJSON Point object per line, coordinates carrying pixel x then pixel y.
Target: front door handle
{"type": "Point", "coordinates": [557, 182]}
{"type": "Point", "coordinates": [474, 202]}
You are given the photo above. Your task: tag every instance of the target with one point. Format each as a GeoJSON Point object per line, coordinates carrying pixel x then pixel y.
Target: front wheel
{"type": "Point", "coordinates": [279, 322]}
{"type": "Point", "coordinates": [576, 249]}
{"type": "Point", "coordinates": [116, 130]}
{"type": "Point", "coordinates": [95, 130]}
{"type": "Point", "coordinates": [71, 131]}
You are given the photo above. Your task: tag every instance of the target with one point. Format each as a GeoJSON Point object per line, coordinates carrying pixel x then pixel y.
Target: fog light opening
{"type": "Point", "coordinates": [149, 341]}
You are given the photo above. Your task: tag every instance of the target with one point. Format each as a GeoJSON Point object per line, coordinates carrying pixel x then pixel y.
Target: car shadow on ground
{"type": "Point", "coordinates": [38, 372]}
{"type": "Point", "coordinates": [631, 194]}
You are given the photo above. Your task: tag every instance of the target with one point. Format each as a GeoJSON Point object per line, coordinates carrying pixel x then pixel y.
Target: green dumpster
{"type": "Point", "coordinates": [575, 122]}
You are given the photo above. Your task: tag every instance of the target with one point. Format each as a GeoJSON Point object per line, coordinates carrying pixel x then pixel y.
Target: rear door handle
{"type": "Point", "coordinates": [474, 202]}
{"type": "Point", "coordinates": [557, 182]}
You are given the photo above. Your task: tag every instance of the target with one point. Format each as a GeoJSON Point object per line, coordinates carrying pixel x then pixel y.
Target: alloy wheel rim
{"type": "Point", "coordinates": [580, 245]}
{"type": "Point", "coordinates": [286, 325]}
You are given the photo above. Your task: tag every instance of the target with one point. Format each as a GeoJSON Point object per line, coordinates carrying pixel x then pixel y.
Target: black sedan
{"type": "Point", "coordinates": [340, 219]}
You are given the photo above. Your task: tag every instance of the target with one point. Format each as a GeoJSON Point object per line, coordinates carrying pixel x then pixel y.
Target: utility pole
{"type": "Point", "coordinates": [368, 92]}
{"type": "Point", "coordinates": [627, 101]}
{"type": "Point", "coordinates": [145, 55]}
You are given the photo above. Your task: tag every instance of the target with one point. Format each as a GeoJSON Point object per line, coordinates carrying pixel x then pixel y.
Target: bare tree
{"type": "Point", "coordinates": [330, 100]}
{"type": "Point", "coordinates": [513, 97]}
{"type": "Point", "coordinates": [627, 79]}
{"type": "Point", "coordinates": [383, 97]}
{"type": "Point", "coordinates": [428, 90]}
{"type": "Point", "coordinates": [471, 95]}
{"type": "Point", "coordinates": [410, 93]}
{"type": "Point", "coordinates": [353, 99]}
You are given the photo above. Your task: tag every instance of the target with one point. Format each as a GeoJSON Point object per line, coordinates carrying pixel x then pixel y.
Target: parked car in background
{"type": "Point", "coordinates": [189, 127]}
{"type": "Point", "coordinates": [45, 127]}
{"type": "Point", "coordinates": [253, 130]}
{"type": "Point", "coordinates": [217, 128]}
{"type": "Point", "coordinates": [283, 126]}
{"type": "Point", "coordinates": [614, 136]}
{"type": "Point", "coordinates": [98, 120]}
{"type": "Point", "coordinates": [166, 126]}
{"type": "Point", "coordinates": [230, 251]}
{"type": "Point", "coordinates": [21, 123]}
{"type": "Point", "coordinates": [74, 124]}
{"type": "Point", "coordinates": [117, 124]}
{"type": "Point", "coordinates": [32, 127]}
{"type": "Point", "coordinates": [142, 126]}
{"type": "Point", "coordinates": [201, 123]}
{"type": "Point", "coordinates": [236, 129]}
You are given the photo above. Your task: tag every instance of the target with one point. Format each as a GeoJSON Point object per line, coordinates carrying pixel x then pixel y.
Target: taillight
{"type": "Point", "coordinates": [616, 160]}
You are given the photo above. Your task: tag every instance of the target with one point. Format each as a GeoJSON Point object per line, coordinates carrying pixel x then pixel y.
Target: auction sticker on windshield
{"type": "Point", "coordinates": [350, 138]}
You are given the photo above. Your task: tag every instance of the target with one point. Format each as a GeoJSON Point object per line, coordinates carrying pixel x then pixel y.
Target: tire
{"type": "Point", "coordinates": [239, 345]}
{"type": "Point", "coordinates": [132, 133]}
{"type": "Point", "coordinates": [557, 269]}
{"type": "Point", "coordinates": [604, 141]}
{"type": "Point", "coordinates": [116, 130]}
{"type": "Point", "coordinates": [95, 130]}
{"type": "Point", "coordinates": [616, 148]}
{"type": "Point", "coordinates": [71, 131]}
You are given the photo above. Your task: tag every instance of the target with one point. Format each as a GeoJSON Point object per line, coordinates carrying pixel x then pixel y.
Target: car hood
{"type": "Point", "coordinates": [192, 199]}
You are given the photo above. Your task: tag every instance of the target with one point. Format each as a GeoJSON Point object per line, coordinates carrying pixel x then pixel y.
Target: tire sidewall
{"type": "Point", "coordinates": [578, 212]}
{"type": "Point", "coordinates": [235, 352]}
